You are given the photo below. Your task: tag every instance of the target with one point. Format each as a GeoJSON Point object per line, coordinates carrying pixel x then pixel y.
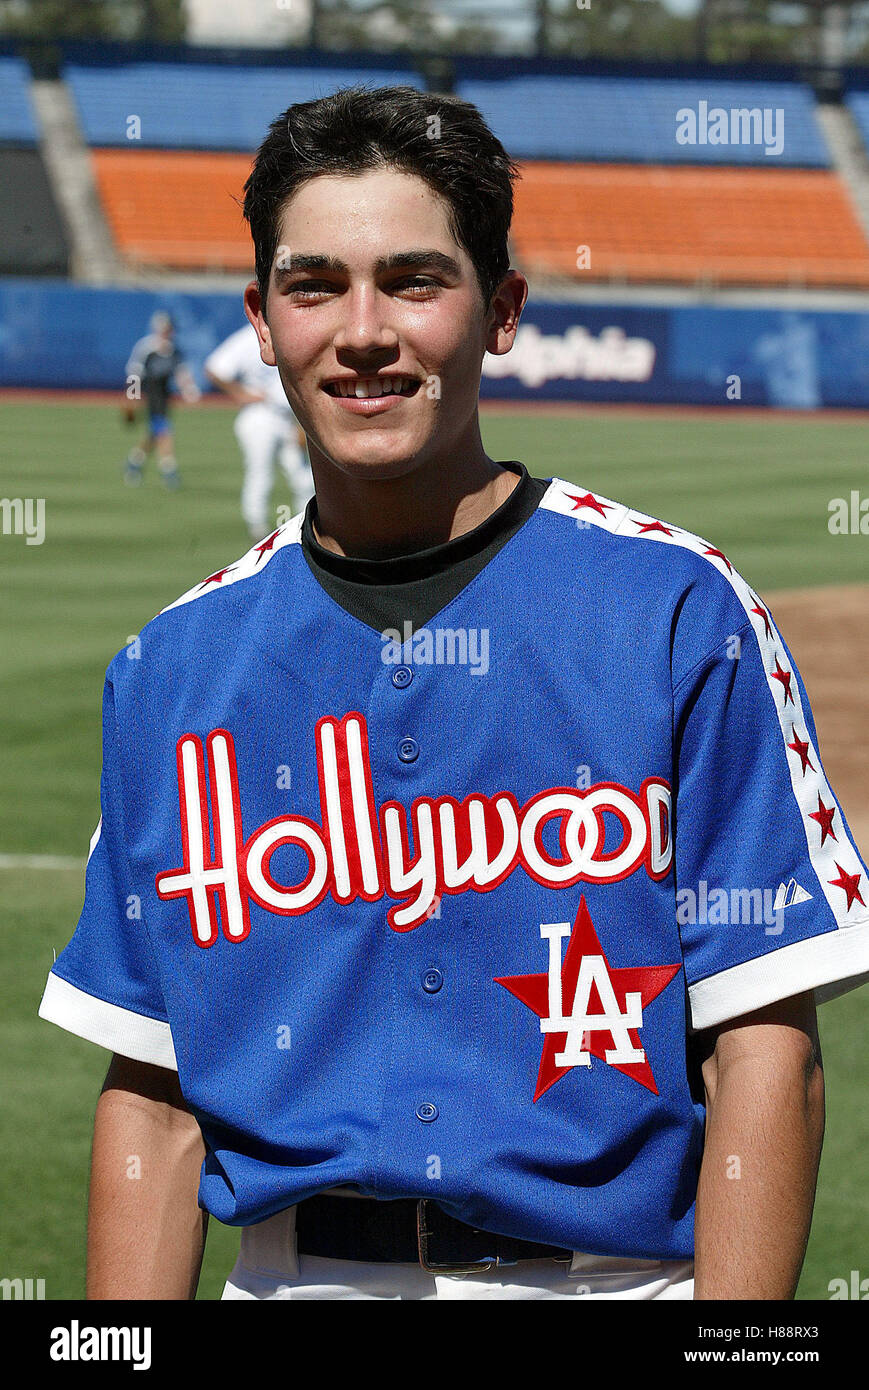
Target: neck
{"type": "Point", "coordinates": [437, 502]}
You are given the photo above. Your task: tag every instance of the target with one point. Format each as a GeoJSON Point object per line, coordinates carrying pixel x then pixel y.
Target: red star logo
{"type": "Point", "coordinates": [719, 555]}
{"type": "Point", "coordinates": [648, 981]}
{"type": "Point", "coordinates": [267, 543]}
{"type": "Point", "coordinates": [824, 816]}
{"type": "Point", "coordinates": [779, 674]}
{"type": "Point", "coordinates": [590, 501]}
{"type": "Point", "coordinates": [802, 749]}
{"type": "Point", "coordinates": [217, 577]}
{"type": "Point", "coordinates": [762, 613]}
{"type": "Point", "coordinates": [654, 526]}
{"type": "Point", "coordinates": [849, 882]}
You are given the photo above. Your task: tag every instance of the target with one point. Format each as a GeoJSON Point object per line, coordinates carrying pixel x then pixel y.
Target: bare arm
{"type": "Point", "coordinates": [190, 392]}
{"type": "Point", "coordinates": [146, 1231]}
{"type": "Point", "coordinates": [241, 395]}
{"type": "Point", "coordinates": [764, 1129]}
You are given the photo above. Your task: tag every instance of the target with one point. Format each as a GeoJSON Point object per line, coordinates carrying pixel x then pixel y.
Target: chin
{"type": "Point", "coordinates": [370, 461]}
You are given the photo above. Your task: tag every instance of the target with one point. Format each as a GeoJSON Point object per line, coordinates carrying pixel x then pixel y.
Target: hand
{"type": "Point", "coordinates": [128, 413]}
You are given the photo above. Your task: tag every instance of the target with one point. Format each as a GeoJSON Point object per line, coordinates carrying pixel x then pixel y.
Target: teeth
{"type": "Point", "coordinates": [373, 386]}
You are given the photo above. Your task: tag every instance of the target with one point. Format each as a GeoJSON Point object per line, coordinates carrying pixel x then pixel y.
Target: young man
{"type": "Point", "coordinates": [265, 427]}
{"type": "Point", "coordinates": [413, 991]}
{"type": "Point", "coordinates": [157, 364]}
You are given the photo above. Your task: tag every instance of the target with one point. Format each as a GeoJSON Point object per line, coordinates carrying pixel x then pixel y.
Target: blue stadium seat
{"type": "Point", "coordinates": [634, 119]}
{"type": "Point", "coordinates": [17, 122]}
{"type": "Point", "coordinates": [202, 106]}
{"type": "Point", "coordinates": [858, 105]}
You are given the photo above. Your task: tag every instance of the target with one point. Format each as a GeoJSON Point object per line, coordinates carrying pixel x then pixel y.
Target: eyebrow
{"type": "Point", "coordinates": [400, 260]}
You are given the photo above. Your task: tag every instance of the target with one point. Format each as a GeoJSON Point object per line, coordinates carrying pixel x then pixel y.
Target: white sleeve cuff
{"type": "Point", "coordinates": [830, 964]}
{"type": "Point", "coordinates": [120, 1030]}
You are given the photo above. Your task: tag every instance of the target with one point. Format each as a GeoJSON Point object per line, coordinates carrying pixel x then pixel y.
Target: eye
{"type": "Point", "coordinates": [416, 285]}
{"type": "Point", "coordinates": [309, 289]}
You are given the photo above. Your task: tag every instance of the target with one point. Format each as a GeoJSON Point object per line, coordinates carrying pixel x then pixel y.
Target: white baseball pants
{"type": "Point", "coordinates": [265, 434]}
{"type": "Point", "coordinates": [268, 1267]}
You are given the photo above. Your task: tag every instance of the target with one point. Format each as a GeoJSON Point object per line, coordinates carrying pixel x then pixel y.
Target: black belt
{"type": "Point", "coordinates": [406, 1231]}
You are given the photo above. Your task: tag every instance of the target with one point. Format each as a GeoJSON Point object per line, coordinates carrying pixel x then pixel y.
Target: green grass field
{"type": "Point", "coordinates": [758, 487]}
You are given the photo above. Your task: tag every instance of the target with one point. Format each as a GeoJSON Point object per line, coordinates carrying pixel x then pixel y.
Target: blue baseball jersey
{"type": "Point", "coordinates": [438, 913]}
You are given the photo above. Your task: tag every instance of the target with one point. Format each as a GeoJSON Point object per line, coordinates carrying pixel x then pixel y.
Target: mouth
{"type": "Point", "coordinates": [362, 388]}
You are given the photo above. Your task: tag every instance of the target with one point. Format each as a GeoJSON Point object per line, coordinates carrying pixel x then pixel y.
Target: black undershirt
{"type": "Point", "coordinates": [413, 588]}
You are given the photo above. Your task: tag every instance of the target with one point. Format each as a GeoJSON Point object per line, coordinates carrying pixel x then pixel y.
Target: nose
{"type": "Point", "coordinates": [365, 332]}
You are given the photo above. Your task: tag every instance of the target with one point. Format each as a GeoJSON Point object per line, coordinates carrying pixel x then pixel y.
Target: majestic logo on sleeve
{"type": "Point", "coordinates": [358, 851]}
{"type": "Point", "coordinates": [588, 1008]}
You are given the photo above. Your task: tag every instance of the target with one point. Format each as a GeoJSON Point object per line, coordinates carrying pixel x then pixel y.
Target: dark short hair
{"type": "Point", "coordinates": [359, 128]}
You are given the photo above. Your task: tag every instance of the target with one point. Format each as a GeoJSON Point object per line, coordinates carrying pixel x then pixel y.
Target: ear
{"type": "Point", "coordinates": [253, 307]}
{"type": "Point", "coordinates": [505, 310]}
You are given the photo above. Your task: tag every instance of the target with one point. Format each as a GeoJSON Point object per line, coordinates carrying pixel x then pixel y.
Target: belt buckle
{"type": "Point", "coordinates": [423, 1235]}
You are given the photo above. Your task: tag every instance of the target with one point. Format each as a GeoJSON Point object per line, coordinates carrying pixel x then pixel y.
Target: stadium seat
{"type": "Point", "coordinates": [174, 208]}
{"type": "Point", "coordinates": [636, 118]}
{"type": "Point", "coordinates": [199, 105]}
{"type": "Point", "coordinates": [17, 122]}
{"type": "Point", "coordinates": [726, 226]}
{"type": "Point", "coordinates": [33, 238]}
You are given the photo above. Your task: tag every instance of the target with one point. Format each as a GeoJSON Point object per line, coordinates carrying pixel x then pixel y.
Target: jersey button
{"type": "Point", "coordinates": [402, 677]}
{"type": "Point", "coordinates": [427, 1112]}
{"type": "Point", "coordinates": [432, 981]}
{"type": "Point", "coordinates": [408, 750]}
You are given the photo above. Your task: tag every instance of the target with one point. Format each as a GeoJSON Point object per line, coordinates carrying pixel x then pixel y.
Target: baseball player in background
{"type": "Point", "coordinates": [417, 918]}
{"type": "Point", "coordinates": [265, 427]}
{"type": "Point", "coordinates": [155, 365]}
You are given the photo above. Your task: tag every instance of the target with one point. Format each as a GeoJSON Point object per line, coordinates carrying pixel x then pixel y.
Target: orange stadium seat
{"type": "Point", "coordinates": [640, 223]}
{"type": "Point", "coordinates": [176, 208]}
{"type": "Point", "coordinates": [726, 226]}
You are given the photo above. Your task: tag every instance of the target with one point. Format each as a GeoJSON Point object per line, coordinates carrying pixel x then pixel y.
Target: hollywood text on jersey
{"type": "Point", "coordinates": [360, 852]}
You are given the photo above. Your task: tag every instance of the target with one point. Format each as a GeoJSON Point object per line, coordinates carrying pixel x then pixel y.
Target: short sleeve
{"type": "Point", "coordinates": [226, 359]}
{"type": "Point", "coordinates": [136, 362]}
{"type": "Point", "coordinates": [104, 985]}
{"type": "Point", "coordinates": [772, 894]}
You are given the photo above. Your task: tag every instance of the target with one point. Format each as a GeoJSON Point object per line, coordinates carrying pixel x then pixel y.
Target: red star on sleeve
{"type": "Point", "coordinates": [533, 990]}
{"type": "Point", "coordinates": [802, 749]}
{"type": "Point", "coordinates": [588, 500]}
{"type": "Point", "coordinates": [217, 577]}
{"type": "Point", "coordinates": [719, 555]}
{"type": "Point", "coordinates": [646, 526]}
{"type": "Point", "coordinates": [267, 544]}
{"type": "Point", "coordinates": [850, 885]}
{"type": "Point", "coordinates": [762, 613]}
{"type": "Point", "coordinates": [824, 816]}
{"type": "Point", "coordinates": [783, 675]}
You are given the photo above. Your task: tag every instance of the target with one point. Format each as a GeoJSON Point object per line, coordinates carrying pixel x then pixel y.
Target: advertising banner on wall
{"type": "Point", "coordinates": [60, 336]}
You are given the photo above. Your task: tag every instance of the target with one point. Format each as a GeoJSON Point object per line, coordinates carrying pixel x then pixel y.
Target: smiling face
{"type": "Point", "coordinates": [376, 323]}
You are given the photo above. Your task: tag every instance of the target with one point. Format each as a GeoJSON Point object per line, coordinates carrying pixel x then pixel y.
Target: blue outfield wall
{"type": "Point", "coordinates": [57, 335]}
